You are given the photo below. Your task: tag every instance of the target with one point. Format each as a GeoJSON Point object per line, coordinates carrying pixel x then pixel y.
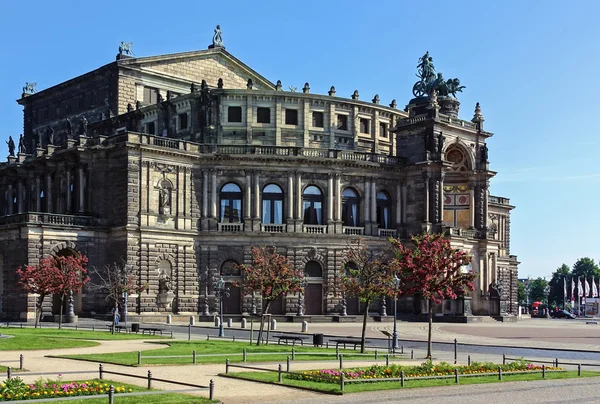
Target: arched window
{"type": "Point", "coordinates": [313, 269]}
{"type": "Point", "coordinates": [457, 158]}
{"type": "Point", "coordinates": [350, 205]}
{"type": "Point", "coordinates": [231, 203]}
{"type": "Point", "coordinates": [272, 204]}
{"type": "Point", "coordinates": [312, 205]}
{"type": "Point", "coordinates": [230, 268]}
{"type": "Point", "coordinates": [384, 207]}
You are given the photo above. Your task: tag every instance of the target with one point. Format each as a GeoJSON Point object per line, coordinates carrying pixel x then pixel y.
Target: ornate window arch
{"type": "Point", "coordinates": [272, 206]}
{"type": "Point", "coordinates": [384, 210]}
{"type": "Point", "coordinates": [458, 158]}
{"type": "Point", "coordinates": [229, 268]}
{"type": "Point", "coordinates": [312, 205]}
{"type": "Point", "coordinates": [350, 207]}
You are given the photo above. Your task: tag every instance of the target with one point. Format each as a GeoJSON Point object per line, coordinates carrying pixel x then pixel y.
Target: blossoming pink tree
{"type": "Point", "coordinates": [434, 269]}
{"type": "Point", "coordinates": [271, 275]}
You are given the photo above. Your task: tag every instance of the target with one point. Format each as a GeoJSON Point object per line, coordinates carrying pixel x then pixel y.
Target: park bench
{"type": "Point", "coordinates": [344, 341]}
{"type": "Point", "coordinates": [118, 328]}
{"type": "Point", "coordinates": [154, 330]}
{"type": "Point", "coordinates": [288, 338]}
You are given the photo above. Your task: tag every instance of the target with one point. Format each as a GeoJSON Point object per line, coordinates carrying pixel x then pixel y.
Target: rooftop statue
{"type": "Point", "coordinates": [430, 80]}
{"type": "Point", "coordinates": [217, 39]}
{"type": "Point", "coordinates": [11, 146]}
{"type": "Point", "coordinates": [29, 88]}
{"type": "Point", "coordinates": [125, 48]}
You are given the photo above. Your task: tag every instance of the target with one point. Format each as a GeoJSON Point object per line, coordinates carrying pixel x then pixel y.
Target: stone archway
{"type": "Point", "coordinates": [66, 249]}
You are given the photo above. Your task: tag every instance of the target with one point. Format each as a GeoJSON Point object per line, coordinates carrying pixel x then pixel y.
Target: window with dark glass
{"type": "Point", "coordinates": [342, 122]}
{"type": "Point", "coordinates": [263, 115]}
{"type": "Point", "coordinates": [272, 204]}
{"type": "Point", "coordinates": [317, 119]}
{"type": "Point", "coordinates": [230, 204]}
{"type": "Point", "coordinates": [230, 268]}
{"type": "Point", "coordinates": [312, 205]}
{"type": "Point", "coordinates": [183, 121]}
{"type": "Point", "coordinates": [313, 269]}
{"type": "Point", "coordinates": [234, 114]}
{"type": "Point", "coordinates": [350, 205]}
{"type": "Point", "coordinates": [364, 125]}
{"type": "Point", "coordinates": [291, 117]}
{"type": "Point", "coordinates": [383, 129]}
{"type": "Point", "coordinates": [150, 95]}
{"type": "Point", "coordinates": [151, 128]}
{"type": "Point", "coordinates": [384, 207]}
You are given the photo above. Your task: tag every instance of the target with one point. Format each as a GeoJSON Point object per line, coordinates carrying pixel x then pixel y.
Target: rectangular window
{"type": "Point", "coordinates": [342, 122]}
{"type": "Point", "coordinates": [364, 125]}
{"type": "Point", "coordinates": [150, 128]}
{"type": "Point", "coordinates": [150, 95]}
{"type": "Point", "coordinates": [183, 121]}
{"type": "Point", "coordinates": [383, 129]}
{"type": "Point", "coordinates": [234, 114]}
{"type": "Point", "coordinates": [291, 117]}
{"type": "Point", "coordinates": [317, 119]}
{"type": "Point", "coordinates": [263, 115]}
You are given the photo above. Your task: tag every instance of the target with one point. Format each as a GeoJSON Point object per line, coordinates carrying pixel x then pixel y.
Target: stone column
{"type": "Point", "coordinates": [11, 198]}
{"type": "Point", "coordinates": [204, 193]}
{"type": "Point", "coordinates": [330, 198]}
{"type": "Point", "coordinates": [213, 195]}
{"type": "Point", "coordinates": [403, 204]}
{"type": "Point", "coordinates": [68, 189]}
{"type": "Point", "coordinates": [248, 200]}
{"type": "Point", "coordinates": [38, 187]}
{"type": "Point", "coordinates": [398, 204]}
{"type": "Point", "coordinates": [367, 218]}
{"type": "Point", "coordinates": [256, 195]}
{"type": "Point", "coordinates": [440, 218]}
{"type": "Point", "coordinates": [472, 206]}
{"type": "Point", "coordinates": [299, 196]}
{"type": "Point", "coordinates": [20, 198]}
{"type": "Point", "coordinates": [486, 194]}
{"type": "Point", "coordinates": [338, 191]}
{"type": "Point", "coordinates": [426, 199]}
{"type": "Point", "coordinates": [374, 202]}
{"type": "Point", "coordinates": [81, 190]}
{"type": "Point", "coordinates": [290, 198]}
{"type": "Point", "coordinates": [48, 193]}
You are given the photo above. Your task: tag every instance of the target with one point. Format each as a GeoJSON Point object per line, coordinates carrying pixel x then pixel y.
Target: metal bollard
{"type": "Point", "coordinates": [456, 376]}
{"type": "Point", "coordinates": [8, 372]}
{"type": "Point", "coordinates": [376, 354]}
{"type": "Point", "coordinates": [244, 355]}
{"type": "Point", "coordinates": [280, 380]}
{"type": "Point", "coordinates": [149, 379]}
{"type": "Point", "coordinates": [190, 332]}
{"type": "Point", "coordinates": [578, 370]}
{"type": "Point", "coordinates": [243, 325]}
{"type": "Point", "coordinates": [100, 370]}
{"type": "Point", "coordinates": [230, 323]}
{"type": "Point", "coordinates": [139, 358]}
{"type": "Point", "coordinates": [412, 354]}
{"type": "Point", "coordinates": [469, 360]}
{"type": "Point", "coordinates": [402, 378]}
{"type": "Point", "coordinates": [387, 360]}
{"type": "Point", "coordinates": [226, 365]}
{"type": "Point", "coordinates": [455, 350]}
{"type": "Point", "coordinates": [293, 354]}
{"type": "Point", "coordinates": [500, 373]}
{"type": "Point", "coordinates": [169, 319]}
{"type": "Point", "coordinates": [192, 320]}
{"type": "Point", "coordinates": [194, 356]}
{"type": "Point", "coordinates": [273, 324]}
{"type": "Point", "coordinates": [556, 362]}
{"type": "Point", "coordinates": [111, 393]}
{"type": "Point", "coordinates": [207, 337]}
{"type": "Point", "coordinates": [287, 368]}
{"type": "Point", "coordinates": [211, 390]}
{"type": "Point", "coordinates": [21, 361]}
{"type": "Point", "coordinates": [543, 371]}
{"type": "Point", "coordinates": [342, 381]}
{"type": "Point", "coordinates": [401, 349]}
{"type": "Point", "coordinates": [217, 321]}
{"type": "Point", "coordinates": [305, 326]}
{"type": "Point", "coordinates": [341, 361]}
{"type": "Point", "coordinates": [233, 338]}
{"type": "Point", "coordinates": [504, 359]}
{"type": "Point", "coordinates": [337, 352]}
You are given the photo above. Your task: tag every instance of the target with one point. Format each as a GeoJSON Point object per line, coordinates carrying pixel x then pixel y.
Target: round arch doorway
{"type": "Point", "coordinates": [313, 294]}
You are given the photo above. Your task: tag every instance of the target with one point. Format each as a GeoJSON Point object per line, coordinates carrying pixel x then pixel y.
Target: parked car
{"type": "Point", "coordinates": [562, 314]}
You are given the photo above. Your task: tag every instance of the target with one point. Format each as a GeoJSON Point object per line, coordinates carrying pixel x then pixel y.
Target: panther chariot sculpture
{"type": "Point", "coordinates": [430, 80]}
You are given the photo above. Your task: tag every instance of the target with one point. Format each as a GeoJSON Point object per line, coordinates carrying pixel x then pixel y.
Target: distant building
{"type": "Point", "coordinates": [180, 163]}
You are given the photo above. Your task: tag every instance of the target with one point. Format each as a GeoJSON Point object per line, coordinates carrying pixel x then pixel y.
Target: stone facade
{"type": "Point", "coordinates": [223, 160]}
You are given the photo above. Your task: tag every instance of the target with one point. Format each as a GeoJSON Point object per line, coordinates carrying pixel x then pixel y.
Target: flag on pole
{"type": "Point", "coordinates": [572, 288]}
{"type": "Point", "coordinates": [565, 287]}
{"type": "Point", "coordinates": [579, 288]}
{"type": "Point", "coordinates": [587, 287]}
{"type": "Point", "coordinates": [594, 288]}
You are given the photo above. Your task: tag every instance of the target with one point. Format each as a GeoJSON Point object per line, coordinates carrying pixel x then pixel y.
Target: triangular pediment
{"type": "Point", "coordinates": [209, 65]}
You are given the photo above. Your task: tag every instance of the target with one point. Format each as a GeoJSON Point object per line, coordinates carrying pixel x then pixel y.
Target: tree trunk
{"type": "Point", "coordinates": [262, 322]}
{"type": "Point", "coordinates": [39, 303]}
{"type": "Point", "coordinates": [114, 317]}
{"type": "Point", "coordinates": [62, 299]}
{"type": "Point", "coordinates": [430, 304]}
{"type": "Point", "coordinates": [364, 327]}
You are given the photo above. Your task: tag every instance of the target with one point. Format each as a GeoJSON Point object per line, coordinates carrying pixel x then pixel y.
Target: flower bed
{"type": "Point", "coordinates": [16, 389]}
{"type": "Point", "coordinates": [426, 369]}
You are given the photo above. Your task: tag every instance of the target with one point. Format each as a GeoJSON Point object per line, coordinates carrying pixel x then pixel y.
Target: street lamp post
{"type": "Point", "coordinates": [125, 295]}
{"type": "Point", "coordinates": [395, 333]}
{"type": "Point", "coordinates": [547, 293]}
{"type": "Point", "coordinates": [221, 290]}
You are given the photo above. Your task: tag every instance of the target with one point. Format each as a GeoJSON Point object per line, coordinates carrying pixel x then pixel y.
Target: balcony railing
{"type": "Point", "coordinates": [273, 228]}
{"type": "Point", "coordinates": [231, 227]}
{"type": "Point", "coordinates": [499, 200]}
{"type": "Point", "coordinates": [354, 231]}
{"type": "Point", "coordinates": [314, 228]}
{"type": "Point", "coordinates": [387, 232]}
{"type": "Point", "coordinates": [48, 218]}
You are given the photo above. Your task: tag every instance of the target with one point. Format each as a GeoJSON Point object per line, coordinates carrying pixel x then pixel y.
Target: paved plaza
{"type": "Point", "coordinates": [556, 334]}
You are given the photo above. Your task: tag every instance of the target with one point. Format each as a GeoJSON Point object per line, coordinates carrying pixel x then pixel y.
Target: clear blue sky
{"type": "Point", "coordinates": [531, 64]}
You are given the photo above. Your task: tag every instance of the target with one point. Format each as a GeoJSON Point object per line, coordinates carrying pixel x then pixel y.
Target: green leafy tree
{"type": "Point", "coordinates": [586, 267]}
{"type": "Point", "coordinates": [433, 268]}
{"type": "Point", "coordinates": [557, 285]}
{"type": "Point", "coordinates": [521, 292]}
{"type": "Point", "coordinates": [370, 278]}
{"type": "Point", "coordinates": [537, 289]}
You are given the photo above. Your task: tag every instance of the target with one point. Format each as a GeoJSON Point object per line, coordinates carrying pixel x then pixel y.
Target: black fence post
{"type": "Point", "coordinates": [402, 378]}
{"type": "Point", "coordinates": [504, 359]}
{"type": "Point", "coordinates": [293, 354]}
{"type": "Point", "coordinates": [469, 360]}
{"type": "Point", "coordinates": [280, 379]}
{"type": "Point", "coordinates": [287, 368]}
{"type": "Point", "coordinates": [8, 372]}
{"type": "Point", "coordinates": [100, 370]}
{"type": "Point", "coordinates": [139, 358]}
{"type": "Point", "coordinates": [244, 355]}
{"type": "Point", "coordinates": [111, 395]}
{"type": "Point", "coordinates": [194, 357]}
{"type": "Point", "coordinates": [226, 365]}
{"type": "Point", "coordinates": [578, 370]}
{"type": "Point", "coordinates": [149, 379]}
{"type": "Point", "coordinates": [211, 389]}
{"type": "Point", "coordinates": [387, 360]}
{"type": "Point", "coordinates": [337, 352]}
{"type": "Point", "coordinates": [456, 376]}
{"type": "Point", "coordinates": [376, 354]}
{"type": "Point", "coordinates": [556, 361]}
{"type": "Point", "coordinates": [342, 381]}
{"type": "Point", "coordinates": [455, 350]}
{"type": "Point", "coordinates": [401, 349]}
{"type": "Point", "coordinates": [341, 361]}
{"type": "Point", "coordinates": [21, 361]}
{"type": "Point", "coordinates": [543, 371]}
{"type": "Point", "coordinates": [499, 372]}
{"type": "Point", "coordinates": [189, 332]}
{"type": "Point", "coordinates": [412, 354]}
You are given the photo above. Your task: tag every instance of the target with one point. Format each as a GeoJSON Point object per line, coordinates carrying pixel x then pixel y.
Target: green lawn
{"type": "Point", "coordinates": [333, 388]}
{"type": "Point", "coordinates": [49, 338]}
{"type": "Point", "coordinates": [221, 350]}
{"type": "Point", "coordinates": [169, 398]}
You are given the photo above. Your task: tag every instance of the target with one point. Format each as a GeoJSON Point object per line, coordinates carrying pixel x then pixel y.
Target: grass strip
{"type": "Point", "coordinates": [333, 388]}
{"type": "Point", "coordinates": [217, 348]}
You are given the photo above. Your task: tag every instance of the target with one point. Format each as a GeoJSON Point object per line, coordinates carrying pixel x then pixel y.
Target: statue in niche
{"type": "Point", "coordinates": [164, 283]}
{"type": "Point", "coordinates": [50, 134]}
{"type": "Point", "coordinates": [69, 129]}
{"type": "Point", "coordinates": [494, 290]}
{"type": "Point", "coordinates": [84, 126]}
{"type": "Point", "coordinates": [33, 144]}
{"type": "Point", "coordinates": [22, 148]}
{"type": "Point", "coordinates": [11, 146]}
{"type": "Point", "coordinates": [484, 154]}
{"type": "Point", "coordinates": [164, 202]}
{"type": "Point", "coordinates": [440, 144]}
{"type": "Point", "coordinates": [40, 137]}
